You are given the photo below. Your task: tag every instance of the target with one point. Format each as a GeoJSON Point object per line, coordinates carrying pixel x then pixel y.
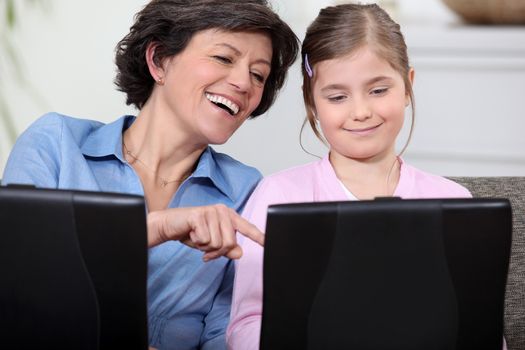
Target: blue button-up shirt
{"type": "Point", "coordinates": [188, 300]}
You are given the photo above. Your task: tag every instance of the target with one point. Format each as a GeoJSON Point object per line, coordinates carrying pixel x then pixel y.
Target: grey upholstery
{"type": "Point", "coordinates": [512, 188]}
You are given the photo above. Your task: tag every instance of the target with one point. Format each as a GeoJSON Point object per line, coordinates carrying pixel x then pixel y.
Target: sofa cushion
{"type": "Point", "coordinates": [512, 188]}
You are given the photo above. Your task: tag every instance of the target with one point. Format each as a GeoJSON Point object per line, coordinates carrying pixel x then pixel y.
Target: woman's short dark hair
{"type": "Point", "coordinates": [171, 24]}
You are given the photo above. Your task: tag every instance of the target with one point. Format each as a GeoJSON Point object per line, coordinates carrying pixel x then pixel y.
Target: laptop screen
{"type": "Point", "coordinates": [386, 274]}
{"type": "Point", "coordinates": [74, 268]}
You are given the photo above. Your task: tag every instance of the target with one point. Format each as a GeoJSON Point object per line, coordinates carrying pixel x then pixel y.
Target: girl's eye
{"type": "Point", "coordinates": [223, 59]}
{"type": "Point", "coordinates": [379, 91]}
{"type": "Point", "coordinates": [337, 98]}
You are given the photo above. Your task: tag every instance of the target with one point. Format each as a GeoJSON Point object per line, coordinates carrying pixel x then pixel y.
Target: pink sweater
{"type": "Point", "coordinates": [313, 182]}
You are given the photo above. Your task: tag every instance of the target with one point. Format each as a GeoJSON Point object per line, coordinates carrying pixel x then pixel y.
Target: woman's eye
{"type": "Point", "coordinates": [258, 77]}
{"type": "Point", "coordinates": [223, 59]}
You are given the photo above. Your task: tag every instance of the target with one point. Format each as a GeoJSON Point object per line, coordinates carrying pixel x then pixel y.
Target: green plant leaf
{"type": "Point", "coordinates": [10, 13]}
{"type": "Point", "coordinates": [11, 64]}
{"type": "Point", "coordinates": [13, 61]}
{"type": "Point", "coordinates": [6, 121]}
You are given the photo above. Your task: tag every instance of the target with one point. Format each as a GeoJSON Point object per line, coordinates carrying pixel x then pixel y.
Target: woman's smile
{"type": "Point", "coordinates": [226, 103]}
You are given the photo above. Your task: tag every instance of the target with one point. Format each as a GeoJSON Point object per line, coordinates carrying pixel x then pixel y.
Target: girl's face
{"type": "Point", "coordinates": [360, 102]}
{"type": "Point", "coordinates": [215, 83]}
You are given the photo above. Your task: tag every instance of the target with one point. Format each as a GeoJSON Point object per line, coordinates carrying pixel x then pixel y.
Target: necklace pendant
{"type": "Point", "coordinates": [164, 183]}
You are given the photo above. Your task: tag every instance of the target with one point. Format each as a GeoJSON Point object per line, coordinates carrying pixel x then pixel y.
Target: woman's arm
{"type": "Point", "coordinates": [210, 229]}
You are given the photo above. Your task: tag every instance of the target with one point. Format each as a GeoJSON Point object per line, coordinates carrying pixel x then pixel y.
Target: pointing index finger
{"type": "Point", "coordinates": [247, 229]}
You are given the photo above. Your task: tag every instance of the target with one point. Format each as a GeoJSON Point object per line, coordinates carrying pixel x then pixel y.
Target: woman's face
{"type": "Point", "coordinates": [360, 101]}
{"type": "Point", "coordinates": [215, 83]}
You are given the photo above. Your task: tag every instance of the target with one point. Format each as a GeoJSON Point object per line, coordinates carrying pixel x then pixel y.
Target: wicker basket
{"type": "Point", "coordinates": [489, 11]}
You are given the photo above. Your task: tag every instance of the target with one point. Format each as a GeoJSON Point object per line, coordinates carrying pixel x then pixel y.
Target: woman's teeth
{"type": "Point", "coordinates": [223, 102]}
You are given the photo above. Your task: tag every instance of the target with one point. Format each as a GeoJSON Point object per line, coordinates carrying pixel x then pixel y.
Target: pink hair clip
{"type": "Point", "coordinates": [307, 67]}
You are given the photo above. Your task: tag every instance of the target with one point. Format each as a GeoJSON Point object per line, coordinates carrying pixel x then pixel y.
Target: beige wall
{"type": "Point", "coordinates": [66, 52]}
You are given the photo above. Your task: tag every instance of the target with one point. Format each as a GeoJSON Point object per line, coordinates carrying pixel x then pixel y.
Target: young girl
{"type": "Point", "coordinates": [357, 85]}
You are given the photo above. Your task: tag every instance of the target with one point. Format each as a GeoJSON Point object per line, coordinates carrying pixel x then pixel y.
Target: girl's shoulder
{"type": "Point", "coordinates": [291, 173]}
{"type": "Point", "coordinates": [416, 183]}
{"type": "Point", "coordinates": [299, 176]}
{"type": "Point", "coordinates": [293, 184]}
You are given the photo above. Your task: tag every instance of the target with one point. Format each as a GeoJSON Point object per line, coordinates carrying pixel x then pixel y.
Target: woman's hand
{"type": "Point", "coordinates": [211, 229]}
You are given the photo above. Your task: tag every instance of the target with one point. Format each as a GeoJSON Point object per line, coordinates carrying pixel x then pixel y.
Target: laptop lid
{"type": "Point", "coordinates": [73, 269]}
{"type": "Point", "coordinates": [386, 274]}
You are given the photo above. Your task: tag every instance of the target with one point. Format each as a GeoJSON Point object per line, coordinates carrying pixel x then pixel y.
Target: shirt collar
{"type": "Point", "coordinates": [331, 178]}
{"type": "Point", "coordinates": [332, 186]}
{"type": "Point", "coordinates": [107, 140]}
{"type": "Point", "coordinates": [209, 167]}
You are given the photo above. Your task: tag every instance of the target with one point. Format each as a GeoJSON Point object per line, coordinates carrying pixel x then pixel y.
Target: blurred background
{"type": "Point", "coordinates": [58, 55]}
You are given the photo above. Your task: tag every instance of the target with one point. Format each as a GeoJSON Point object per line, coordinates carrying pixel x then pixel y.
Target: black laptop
{"type": "Point", "coordinates": [73, 269]}
{"type": "Point", "coordinates": [386, 274]}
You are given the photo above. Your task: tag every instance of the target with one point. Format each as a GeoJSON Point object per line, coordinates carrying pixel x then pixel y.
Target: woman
{"type": "Point", "coordinates": [196, 70]}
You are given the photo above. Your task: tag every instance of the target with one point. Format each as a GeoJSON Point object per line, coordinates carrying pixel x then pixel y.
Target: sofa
{"type": "Point", "coordinates": [512, 188]}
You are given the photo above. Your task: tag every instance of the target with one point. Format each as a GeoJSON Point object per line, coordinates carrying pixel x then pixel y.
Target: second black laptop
{"type": "Point", "coordinates": [386, 274]}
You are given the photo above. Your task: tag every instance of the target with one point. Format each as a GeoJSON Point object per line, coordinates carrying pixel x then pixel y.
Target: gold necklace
{"type": "Point", "coordinates": [163, 181]}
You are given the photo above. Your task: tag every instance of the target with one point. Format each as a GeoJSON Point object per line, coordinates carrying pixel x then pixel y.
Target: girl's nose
{"type": "Point", "coordinates": [361, 110]}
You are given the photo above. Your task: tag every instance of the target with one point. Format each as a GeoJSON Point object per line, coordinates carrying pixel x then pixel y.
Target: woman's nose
{"type": "Point", "coordinates": [239, 77]}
